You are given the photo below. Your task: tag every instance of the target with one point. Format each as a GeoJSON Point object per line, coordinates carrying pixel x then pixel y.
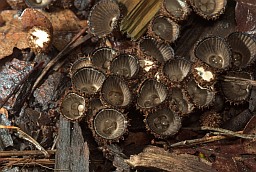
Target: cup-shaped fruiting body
{"type": "Point", "coordinates": [151, 94]}
{"type": "Point", "coordinates": [175, 70]}
{"type": "Point", "coordinates": [125, 65]}
{"type": "Point", "coordinates": [160, 52]}
{"type": "Point", "coordinates": [38, 3]}
{"type": "Point", "coordinates": [211, 119]}
{"type": "Point", "coordinates": [39, 39]}
{"type": "Point", "coordinates": [103, 17]}
{"type": "Point", "coordinates": [209, 9]}
{"type": "Point", "coordinates": [214, 51]}
{"type": "Point", "coordinates": [87, 80]}
{"type": "Point", "coordinates": [115, 92]}
{"type": "Point", "coordinates": [234, 89]}
{"type": "Point", "coordinates": [79, 64]}
{"type": "Point", "coordinates": [243, 48]}
{"type": "Point", "coordinates": [179, 102]}
{"type": "Point", "coordinates": [164, 28]}
{"type": "Point", "coordinates": [73, 106]}
{"type": "Point", "coordinates": [201, 97]}
{"type": "Point", "coordinates": [102, 57]}
{"type": "Point", "coordinates": [176, 9]}
{"type": "Point", "coordinates": [163, 122]}
{"type": "Point", "coordinates": [204, 75]}
{"type": "Point", "coordinates": [109, 125]}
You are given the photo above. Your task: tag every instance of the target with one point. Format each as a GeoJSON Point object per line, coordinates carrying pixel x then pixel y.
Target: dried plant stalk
{"type": "Point", "coordinates": [24, 153]}
{"type": "Point", "coordinates": [138, 16]}
{"type": "Point", "coordinates": [27, 137]}
{"type": "Point", "coordinates": [238, 80]}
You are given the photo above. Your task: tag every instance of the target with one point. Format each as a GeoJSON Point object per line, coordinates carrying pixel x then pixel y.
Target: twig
{"type": "Point", "coordinates": [24, 153]}
{"type": "Point", "coordinates": [70, 46]}
{"type": "Point", "coordinates": [238, 80]}
{"type": "Point", "coordinates": [29, 161]}
{"type": "Point", "coordinates": [27, 137]}
{"type": "Point", "coordinates": [56, 138]}
{"type": "Point", "coordinates": [17, 87]}
{"type": "Point", "coordinates": [225, 132]}
{"type": "Point", "coordinates": [193, 142]}
{"type": "Point", "coordinates": [220, 132]}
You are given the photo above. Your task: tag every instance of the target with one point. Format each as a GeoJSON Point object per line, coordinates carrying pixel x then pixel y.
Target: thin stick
{"type": "Point", "coordinates": [206, 139]}
{"type": "Point", "coordinates": [24, 153]}
{"type": "Point", "coordinates": [220, 132]}
{"type": "Point", "coordinates": [56, 138]}
{"type": "Point", "coordinates": [63, 52]}
{"type": "Point", "coordinates": [76, 44]}
{"type": "Point", "coordinates": [225, 132]}
{"type": "Point", "coordinates": [238, 80]}
{"type": "Point", "coordinates": [17, 87]}
{"type": "Point", "coordinates": [27, 137]}
{"type": "Point", "coordinates": [29, 161]}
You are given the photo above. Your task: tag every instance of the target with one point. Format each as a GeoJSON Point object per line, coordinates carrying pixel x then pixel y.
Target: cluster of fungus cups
{"type": "Point", "coordinates": [162, 86]}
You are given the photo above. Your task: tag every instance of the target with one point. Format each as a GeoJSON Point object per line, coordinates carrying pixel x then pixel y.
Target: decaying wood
{"type": "Point", "coordinates": [157, 158]}
{"type": "Point", "coordinates": [72, 152]}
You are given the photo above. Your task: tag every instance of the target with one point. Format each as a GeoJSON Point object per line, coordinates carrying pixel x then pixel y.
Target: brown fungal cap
{"type": "Point", "coordinates": [102, 57]}
{"type": "Point", "coordinates": [116, 92]}
{"type": "Point", "coordinates": [151, 94]}
{"type": "Point", "coordinates": [163, 122]}
{"type": "Point", "coordinates": [214, 51]}
{"type": "Point", "coordinates": [176, 69]}
{"type": "Point", "coordinates": [201, 97]}
{"type": "Point", "coordinates": [179, 102]}
{"type": "Point", "coordinates": [209, 9]}
{"type": "Point", "coordinates": [164, 28]}
{"type": "Point", "coordinates": [243, 48]}
{"type": "Point", "coordinates": [109, 124]}
{"type": "Point", "coordinates": [39, 39]}
{"type": "Point", "coordinates": [125, 65]}
{"type": "Point", "coordinates": [103, 17]}
{"type": "Point", "coordinates": [87, 80]}
{"type": "Point", "coordinates": [73, 106]}
{"type": "Point", "coordinates": [204, 75]}
{"type": "Point", "coordinates": [79, 64]}
{"type": "Point", "coordinates": [160, 52]}
{"type": "Point", "coordinates": [38, 3]}
{"type": "Point", "coordinates": [176, 9]}
{"type": "Point", "coordinates": [236, 91]}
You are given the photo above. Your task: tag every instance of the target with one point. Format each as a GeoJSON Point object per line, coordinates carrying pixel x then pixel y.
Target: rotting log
{"type": "Point", "coordinates": [157, 158]}
{"type": "Point", "coordinates": [72, 152]}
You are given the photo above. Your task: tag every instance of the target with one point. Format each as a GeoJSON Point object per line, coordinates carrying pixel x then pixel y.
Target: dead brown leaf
{"type": "Point", "coordinates": [31, 17]}
{"type": "Point", "coordinates": [65, 25]}
{"type": "Point", "coordinates": [11, 34]}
